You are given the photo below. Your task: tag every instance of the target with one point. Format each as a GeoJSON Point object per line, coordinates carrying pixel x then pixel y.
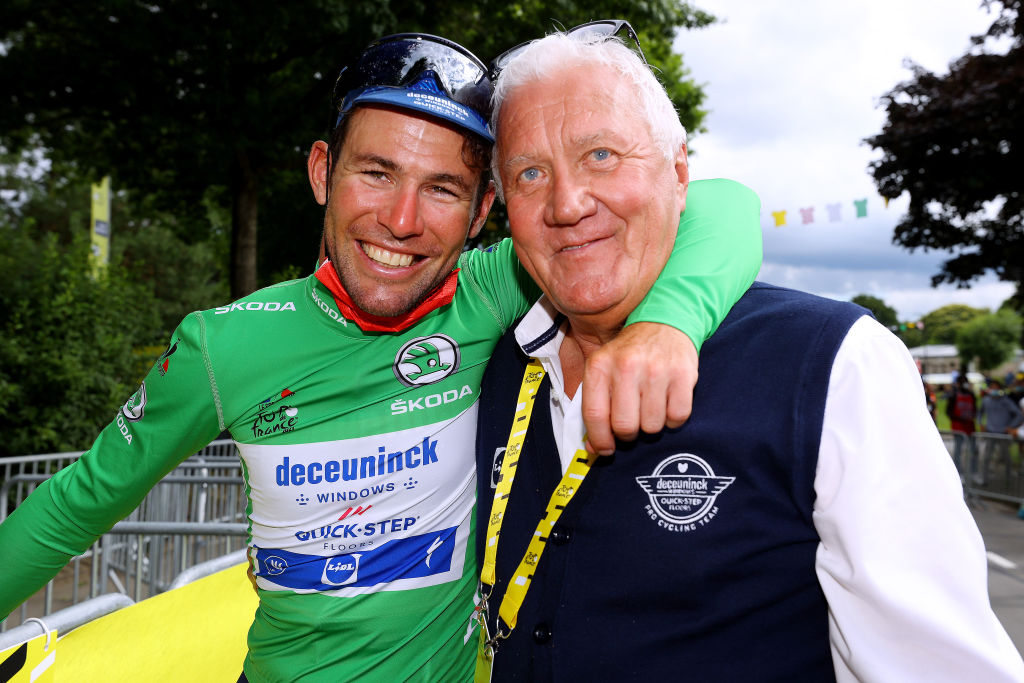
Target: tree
{"type": "Point", "coordinates": [942, 325]}
{"type": "Point", "coordinates": [191, 103]}
{"type": "Point", "coordinates": [911, 334]}
{"type": "Point", "coordinates": [884, 314]}
{"type": "Point", "coordinates": [66, 343]}
{"type": "Point", "coordinates": [72, 348]}
{"type": "Point", "coordinates": [990, 338]}
{"type": "Point", "coordinates": [955, 143]}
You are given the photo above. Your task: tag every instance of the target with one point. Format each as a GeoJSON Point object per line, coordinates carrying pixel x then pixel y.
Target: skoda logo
{"type": "Point", "coordinates": [426, 360]}
{"type": "Point", "coordinates": [135, 407]}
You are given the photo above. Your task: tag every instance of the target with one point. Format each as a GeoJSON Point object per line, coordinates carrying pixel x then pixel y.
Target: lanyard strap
{"type": "Point", "coordinates": [515, 593]}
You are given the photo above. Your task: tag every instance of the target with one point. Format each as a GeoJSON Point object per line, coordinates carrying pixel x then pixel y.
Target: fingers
{"type": "Point", "coordinates": [681, 382]}
{"type": "Point", "coordinates": [596, 408]}
{"type": "Point", "coordinates": [643, 380]}
{"type": "Point", "coordinates": [654, 393]}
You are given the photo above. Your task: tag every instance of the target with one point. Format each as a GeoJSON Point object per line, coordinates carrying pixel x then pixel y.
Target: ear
{"type": "Point", "coordinates": [683, 176]}
{"type": "Point", "coordinates": [316, 169]}
{"type": "Point", "coordinates": [485, 208]}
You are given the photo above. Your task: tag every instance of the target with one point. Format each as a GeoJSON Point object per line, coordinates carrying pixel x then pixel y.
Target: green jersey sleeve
{"type": "Point", "coordinates": [715, 259]}
{"type": "Point", "coordinates": [171, 416]}
{"type": "Point", "coordinates": [498, 279]}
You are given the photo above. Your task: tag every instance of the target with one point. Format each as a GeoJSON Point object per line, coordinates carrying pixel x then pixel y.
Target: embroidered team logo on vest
{"type": "Point", "coordinates": [426, 360]}
{"type": "Point", "coordinates": [683, 489]}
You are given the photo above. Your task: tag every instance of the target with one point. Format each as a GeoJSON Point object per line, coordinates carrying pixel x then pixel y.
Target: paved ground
{"type": "Point", "coordinates": [1003, 531]}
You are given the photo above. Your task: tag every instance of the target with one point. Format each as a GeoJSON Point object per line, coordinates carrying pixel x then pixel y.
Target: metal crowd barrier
{"type": "Point", "coordinates": [990, 465]}
{"type": "Point", "coordinates": [193, 515]}
{"type": "Point", "coordinates": [70, 618]}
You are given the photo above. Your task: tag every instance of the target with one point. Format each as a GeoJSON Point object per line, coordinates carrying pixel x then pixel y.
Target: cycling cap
{"type": "Point", "coordinates": [422, 73]}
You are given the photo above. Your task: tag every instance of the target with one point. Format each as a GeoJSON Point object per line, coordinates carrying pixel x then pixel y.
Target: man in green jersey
{"type": "Point", "coordinates": [352, 394]}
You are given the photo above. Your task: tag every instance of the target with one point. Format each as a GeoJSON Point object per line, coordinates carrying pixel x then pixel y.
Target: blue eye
{"type": "Point", "coordinates": [530, 174]}
{"type": "Point", "coordinates": [601, 154]}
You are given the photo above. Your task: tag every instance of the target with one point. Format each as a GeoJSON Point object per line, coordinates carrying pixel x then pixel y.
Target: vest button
{"type": "Point", "coordinates": [561, 535]}
{"type": "Point", "coordinates": [541, 633]}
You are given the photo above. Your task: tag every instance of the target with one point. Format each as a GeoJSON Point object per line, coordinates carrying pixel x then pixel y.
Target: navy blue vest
{"type": "Point", "coordinates": [688, 555]}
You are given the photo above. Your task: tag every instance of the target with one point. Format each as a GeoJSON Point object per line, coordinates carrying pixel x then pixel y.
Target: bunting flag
{"type": "Point", "coordinates": [834, 210]}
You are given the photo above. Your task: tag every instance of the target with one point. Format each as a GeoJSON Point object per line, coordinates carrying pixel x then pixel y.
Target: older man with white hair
{"type": "Point", "coordinates": [805, 524]}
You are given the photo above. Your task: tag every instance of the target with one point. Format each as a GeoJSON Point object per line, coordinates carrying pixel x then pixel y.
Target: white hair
{"type": "Point", "coordinates": [559, 51]}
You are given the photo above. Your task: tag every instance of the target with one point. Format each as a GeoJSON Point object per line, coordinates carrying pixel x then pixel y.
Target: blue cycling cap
{"type": "Point", "coordinates": [421, 73]}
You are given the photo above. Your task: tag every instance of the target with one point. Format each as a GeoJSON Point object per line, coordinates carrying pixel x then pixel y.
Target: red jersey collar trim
{"type": "Point", "coordinates": [440, 296]}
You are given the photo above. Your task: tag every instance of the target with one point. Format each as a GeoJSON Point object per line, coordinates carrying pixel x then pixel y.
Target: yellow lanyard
{"type": "Point", "coordinates": [515, 592]}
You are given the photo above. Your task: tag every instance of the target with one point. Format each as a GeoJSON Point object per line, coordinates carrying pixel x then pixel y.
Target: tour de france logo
{"type": "Point", "coordinates": [426, 360]}
{"type": "Point", "coordinates": [683, 489]}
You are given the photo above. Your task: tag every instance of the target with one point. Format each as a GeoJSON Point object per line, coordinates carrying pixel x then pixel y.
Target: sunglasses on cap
{"type": "Point", "coordinates": [603, 28]}
{"type": "Point", "coordinates": [421, 72]}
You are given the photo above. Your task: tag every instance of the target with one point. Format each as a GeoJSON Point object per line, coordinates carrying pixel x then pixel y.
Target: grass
{"type": "Point", "coordinates": [942, 421]}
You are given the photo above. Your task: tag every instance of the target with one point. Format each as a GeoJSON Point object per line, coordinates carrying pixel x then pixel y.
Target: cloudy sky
{"type": "Point", "coordinates": [793, 88]}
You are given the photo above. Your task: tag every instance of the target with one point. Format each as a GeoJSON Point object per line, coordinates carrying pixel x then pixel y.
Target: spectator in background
{"type": "Point", "coordinates": [998, 416]}
{"type": "Point", "coordinates": [961, 408]}
{"type": "Point", "coordinates": [998, 411]}
{"type": "Point", "coordinates": [1015, 389]}
{"type": "Point", "coordinates": [929, 398]}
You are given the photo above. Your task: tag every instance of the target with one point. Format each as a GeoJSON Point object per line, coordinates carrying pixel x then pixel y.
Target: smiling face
{"type": "Point", "coordinates": [402, 204]}
{"type": "Point", "coordinates": [593, 204]}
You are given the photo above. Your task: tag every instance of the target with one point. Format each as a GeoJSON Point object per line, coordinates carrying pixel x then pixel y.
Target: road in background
{"type": "Point", "coordinates": [1003, 532]}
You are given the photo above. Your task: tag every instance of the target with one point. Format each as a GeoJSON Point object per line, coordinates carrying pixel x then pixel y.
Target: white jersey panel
{"type": "Point", "coordinates": [366, 514]}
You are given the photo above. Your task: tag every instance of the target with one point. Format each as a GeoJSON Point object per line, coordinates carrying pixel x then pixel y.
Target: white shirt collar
{"type": "Point", "coordinates": [540, 334]}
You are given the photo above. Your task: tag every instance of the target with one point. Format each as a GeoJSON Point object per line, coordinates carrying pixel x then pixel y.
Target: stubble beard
{"type": "Point", "coordinates": [376, 300]}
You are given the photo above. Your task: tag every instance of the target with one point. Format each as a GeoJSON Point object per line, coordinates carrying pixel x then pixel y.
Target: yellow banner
{"type": "Point", "coordinates": [100, 226]}
{"type": "Point", "coordinates": [195, 633]}
{"type": "Point", "coordinates": [30, 662]}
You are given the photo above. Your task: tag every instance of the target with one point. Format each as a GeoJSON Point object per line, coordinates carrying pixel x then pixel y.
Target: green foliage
{"type": "Point", "coordinates": [72, 348]}
{"type": "Point", "coordinates": [180, 100]}
{"type": "Point", "coordinates": [65, 344]}
{"type": "Point", "coordinates": [285, 274]}
{"type": "Point", "coordinates": [884, 314]}
{"type": "Point", "coordinates": [991, 338]}
{"type": "Point", "coordinates": [941, 419]}
{"type": "Point", "coordinates": [953, 142]}
{"type": "Point", "coordinates": [197, 111]}
{"type": "Point", "coordinates": [942, 325]}
{"type": "Point", "coordinates": [179, 278]}
{"type": "Point", "coordinates": [910, 333]}
{"type": "Point", "coordinates": [911, 336]}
